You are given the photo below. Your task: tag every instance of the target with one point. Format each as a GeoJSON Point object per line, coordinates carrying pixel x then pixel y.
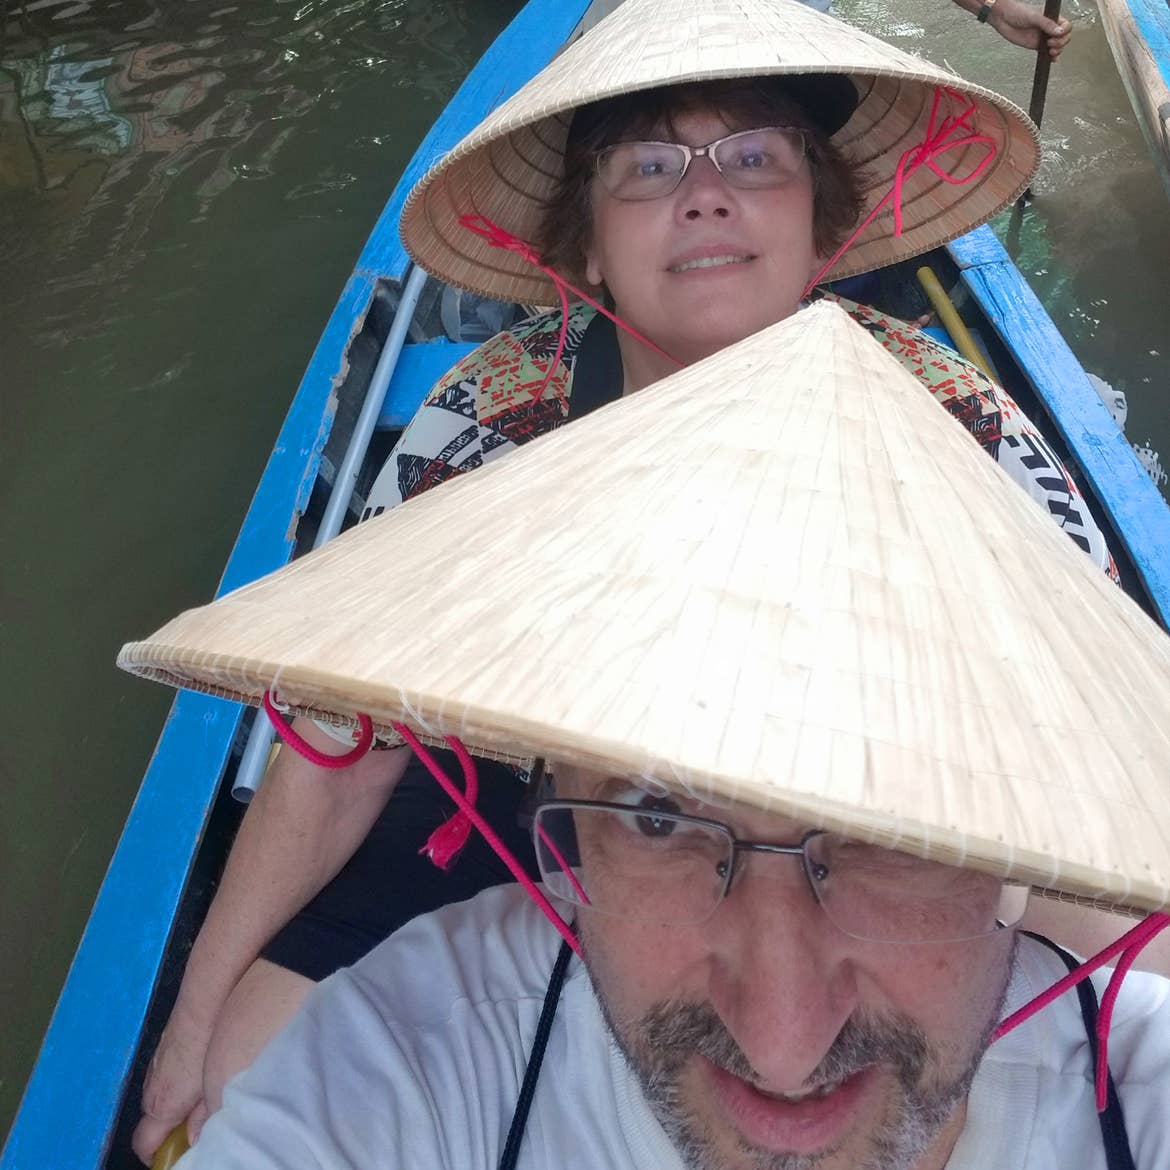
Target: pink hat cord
{"type": "Point", "coordinates": [951, 133]}
{"type": "Point", "coordinates": [302, 747]}
{"type": "Point", "coordinates": [445, 843]}
{"type": "Point", "coordinates": [464, 803]}
{"type": "Point", "coordinates": [500, 237]}
{"type": "Point", "coordinates": [1128, 948]}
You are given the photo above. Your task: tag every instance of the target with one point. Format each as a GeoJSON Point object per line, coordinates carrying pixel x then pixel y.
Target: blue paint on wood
{"type": "Point", "coordinates": [268, 535]}
{"type": "Point", "coordinates": [73, 1094]}
{"type": "Point", "coordinates": [1151, 19]}
{"type": "Point", "coordinates": [419, 368]}
{"type": "Point", "coordinates": [72, 1098]}
{"type": "Point", "coordinates": [1135, 508]}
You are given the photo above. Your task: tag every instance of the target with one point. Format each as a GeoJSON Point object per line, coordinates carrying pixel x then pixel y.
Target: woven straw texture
{"type": "Point", "coordinates": [782, 576]}
{"type": "Point", "coordinates": [507, 167]}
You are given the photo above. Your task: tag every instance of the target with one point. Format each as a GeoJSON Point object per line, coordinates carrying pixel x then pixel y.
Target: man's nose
{"type": "Point", "coordinates": [704, 192]}
{"type": "Point", "coordinates": [782, 977]}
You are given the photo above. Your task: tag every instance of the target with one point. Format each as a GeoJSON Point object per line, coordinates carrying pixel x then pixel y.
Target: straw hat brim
{"type": "Point", "coordinates": [507, 168]}
{"type": "Point", "coordinates": [782, 576]}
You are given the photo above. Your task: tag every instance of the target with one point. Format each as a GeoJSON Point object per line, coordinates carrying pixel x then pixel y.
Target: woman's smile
{"type": "Point", "coordinates": [707, 262]}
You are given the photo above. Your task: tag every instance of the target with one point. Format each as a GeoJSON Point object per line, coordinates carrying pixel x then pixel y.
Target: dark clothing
{"type": "Point", "coordinates": [387, 882]}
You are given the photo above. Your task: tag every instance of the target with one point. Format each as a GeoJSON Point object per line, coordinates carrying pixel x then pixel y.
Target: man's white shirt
{"type": "Point", "coordinates": [414, 1058]}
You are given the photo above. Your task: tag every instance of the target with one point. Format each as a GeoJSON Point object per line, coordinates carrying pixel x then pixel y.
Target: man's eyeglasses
{"type": "Point", "coordinates": [748, 159]}
{"type": "Point", "coordinates": [644, 862]}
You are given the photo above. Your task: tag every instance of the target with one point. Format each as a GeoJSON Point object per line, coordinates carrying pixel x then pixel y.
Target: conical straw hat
{"type": "Point", "coordinates": [782, 576]}
{"type": "Point", "coordinates": [507, 167]}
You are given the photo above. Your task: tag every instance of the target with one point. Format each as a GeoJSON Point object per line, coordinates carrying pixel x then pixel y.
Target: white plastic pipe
{"type": "Point", "coordinates": [253, 761]}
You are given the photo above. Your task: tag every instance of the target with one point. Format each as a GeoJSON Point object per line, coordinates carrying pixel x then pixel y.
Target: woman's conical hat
{"type": "Point", "coordinates": [782, 576]}
{"type": "Point", "coordinates": [507, 168]}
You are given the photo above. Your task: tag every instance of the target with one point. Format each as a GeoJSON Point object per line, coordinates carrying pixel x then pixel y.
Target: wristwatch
{"type": "Point", "coordinates": [985, 11]}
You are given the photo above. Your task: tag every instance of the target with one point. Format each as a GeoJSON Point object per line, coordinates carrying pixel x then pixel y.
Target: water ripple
{"type": "Point", "coordinates": [123, 117]}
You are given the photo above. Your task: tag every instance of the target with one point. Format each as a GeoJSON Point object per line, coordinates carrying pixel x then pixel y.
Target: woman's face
{"type": "Point", "coordinates": [762, 240]}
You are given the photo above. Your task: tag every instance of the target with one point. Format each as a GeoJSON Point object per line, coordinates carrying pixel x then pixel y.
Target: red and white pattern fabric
{"type": "Point", "coordinates": [487, 405]}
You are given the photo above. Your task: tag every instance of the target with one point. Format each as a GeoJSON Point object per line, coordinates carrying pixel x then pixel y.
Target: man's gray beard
{"type": "Point", "coordinates": [664, 1040]}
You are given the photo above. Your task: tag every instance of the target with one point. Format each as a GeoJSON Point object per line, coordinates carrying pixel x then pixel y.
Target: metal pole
{"type": "Point", "coordinates": [363, 429]}
{"type": "Point", "coordinates": [252, 762]}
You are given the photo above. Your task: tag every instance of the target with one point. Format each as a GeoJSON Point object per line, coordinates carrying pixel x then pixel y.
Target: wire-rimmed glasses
{"type": "Point", "coordinates": [646, 863]}
{"type": "Point", "coordinates": [767, 157]}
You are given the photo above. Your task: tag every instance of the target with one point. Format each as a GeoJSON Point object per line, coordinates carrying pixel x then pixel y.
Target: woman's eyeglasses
{"type": "Point", "coordinates": [748, 159]}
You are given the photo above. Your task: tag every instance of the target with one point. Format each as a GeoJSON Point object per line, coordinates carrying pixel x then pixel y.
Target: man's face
{"type": "Point", "coordinates": [766, 1038]}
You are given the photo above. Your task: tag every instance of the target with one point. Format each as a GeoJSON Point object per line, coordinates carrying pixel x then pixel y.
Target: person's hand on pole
{"type": "Point", "coordinates": [1022, 24]}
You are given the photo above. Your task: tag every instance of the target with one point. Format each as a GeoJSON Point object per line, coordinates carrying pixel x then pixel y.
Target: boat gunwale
{"type": "Point", "coordinates": [1138, 33]}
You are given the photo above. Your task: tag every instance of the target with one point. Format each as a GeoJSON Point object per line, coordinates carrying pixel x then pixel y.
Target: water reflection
{"type": "Point", "coordinates": [119, 115]}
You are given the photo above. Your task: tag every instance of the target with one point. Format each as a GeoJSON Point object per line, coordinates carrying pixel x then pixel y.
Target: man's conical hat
{"type": "Point", "coordinates": [782, 576]}
{"type": "Point", "coordinates": [507, 168]}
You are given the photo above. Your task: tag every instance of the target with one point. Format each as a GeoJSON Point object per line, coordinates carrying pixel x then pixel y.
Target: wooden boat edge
{"type": "Point", "coordinates": [1135, 509]}
{"type": "Point", "coordinates": [1138, 32]}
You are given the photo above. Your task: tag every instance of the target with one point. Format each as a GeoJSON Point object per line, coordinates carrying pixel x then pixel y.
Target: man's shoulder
{"type": "Point", "coordinates": [496, 947]}
{"type": "Point", "coordinates": [1056, 1036]}
{"type": "Point", "coordinates": [414, 1055]}
{"type": "Point", "coordinates": [1032, 1102]}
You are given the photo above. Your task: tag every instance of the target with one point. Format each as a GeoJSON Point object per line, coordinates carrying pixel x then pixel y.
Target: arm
{"type": "Point", "coordinates": [1023, 24]}
{"type": "Point", "coordinates": [304, 823]}
{"type": "Point", "coordinates": [302, 826]}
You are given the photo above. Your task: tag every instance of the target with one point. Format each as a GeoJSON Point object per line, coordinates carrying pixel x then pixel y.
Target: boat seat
{"type": "Point", "coordinates": [419, 367]}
